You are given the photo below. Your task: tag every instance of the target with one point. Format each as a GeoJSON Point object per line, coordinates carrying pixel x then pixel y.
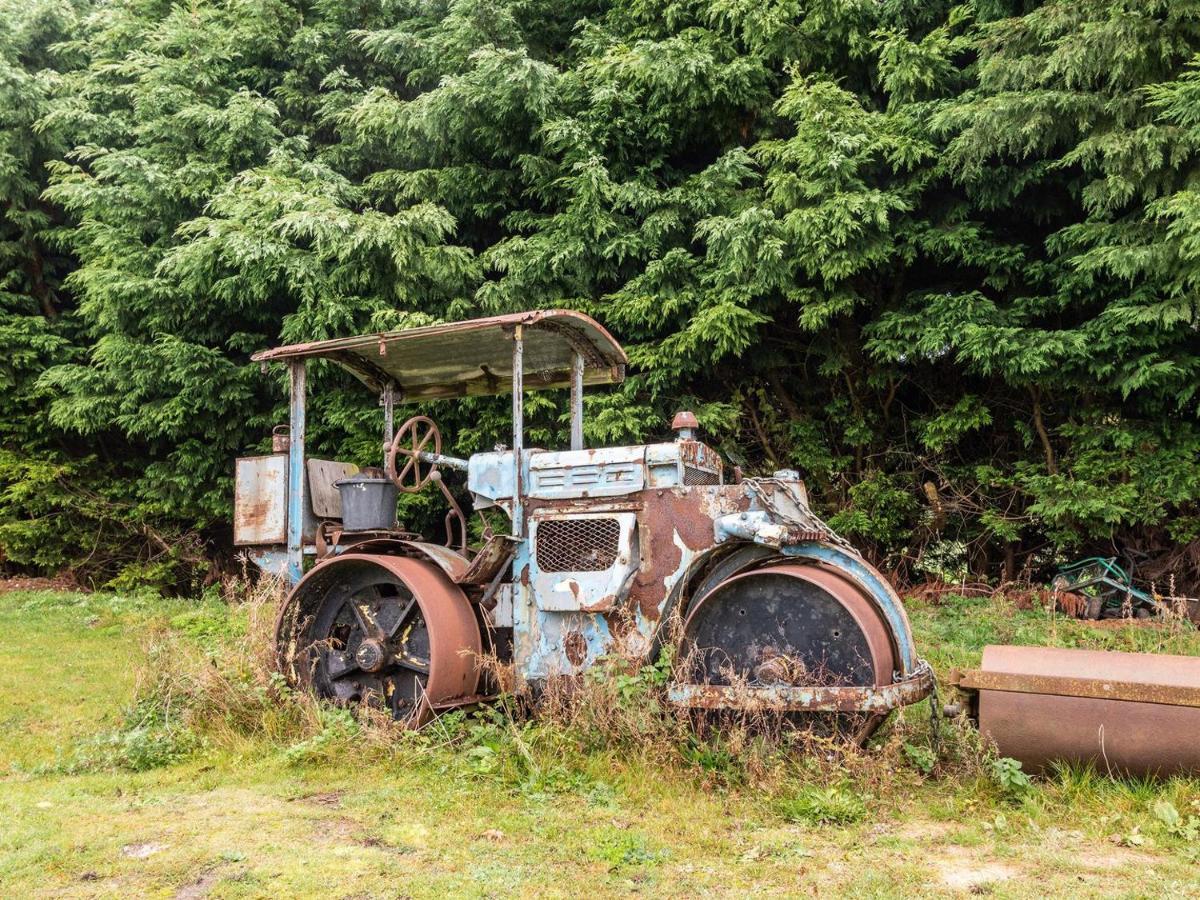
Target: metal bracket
{"type": "Point", "coordinates": [1062, 686]}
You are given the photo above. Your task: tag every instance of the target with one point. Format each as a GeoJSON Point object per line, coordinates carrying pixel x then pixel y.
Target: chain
{"type": "Point", "coordinates": [804, 520]}
{"type": "Point", "coordinates": [935, 717]}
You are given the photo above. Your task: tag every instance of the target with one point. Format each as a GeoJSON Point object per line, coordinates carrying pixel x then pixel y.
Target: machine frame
{"type": "Point", "coordinates": [672, 532]}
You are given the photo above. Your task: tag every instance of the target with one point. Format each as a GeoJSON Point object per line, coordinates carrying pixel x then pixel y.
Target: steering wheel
{"type": "Point", "coordinates": [411, 440]}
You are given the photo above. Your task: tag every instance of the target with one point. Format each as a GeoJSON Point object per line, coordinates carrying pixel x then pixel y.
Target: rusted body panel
{"type": "Point", "coordinates": [582, 563]}
{"type": "Point", "coordinates": [675, 533]}
{"type": "Point", "coordinates": [673, 528]}
{"type": "Point", "coordinates": [260, 500]}
{"type": "Point", "coordinates": [262, 506]}
{"type": "Point", "coordinates": [591, 474]}
{"type": "Point", "coordinates": [453, 563]}
{"type": "Point", "coordinates": [490, 561]}
{"type": "Point", "coordinates": [789, 698]}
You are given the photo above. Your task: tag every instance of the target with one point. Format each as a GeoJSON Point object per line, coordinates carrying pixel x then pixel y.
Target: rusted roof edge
{"type": "Point", "coordinates": [606, 356]}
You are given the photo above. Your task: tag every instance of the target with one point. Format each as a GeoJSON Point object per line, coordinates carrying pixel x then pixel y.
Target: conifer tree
{"type": "Point", "coordinates": [941, 257]}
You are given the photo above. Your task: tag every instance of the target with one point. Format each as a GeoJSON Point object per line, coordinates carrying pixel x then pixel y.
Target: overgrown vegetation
{"type": "Point", "coordinates": [207, 763]}
{"type": "Point", "coordinates": [209, 680]}
{"type": "Point", "coordinates": [939, 256]}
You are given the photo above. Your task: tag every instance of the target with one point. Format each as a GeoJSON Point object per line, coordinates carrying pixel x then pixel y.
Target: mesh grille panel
{"type": "Point", "coordinates": [692, 475]}
{"type": "Point", "coordinates": [577, 545]}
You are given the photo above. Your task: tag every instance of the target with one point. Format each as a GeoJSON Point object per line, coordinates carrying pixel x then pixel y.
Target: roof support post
{"type": "Point", "coordinates": [577, 401]}
{"type": "Point", "coordinates": [296, 500]}
{"type": "Point", "coordinates": [518, 416]}
{"type": "Point", "coordinates": [388, 401]}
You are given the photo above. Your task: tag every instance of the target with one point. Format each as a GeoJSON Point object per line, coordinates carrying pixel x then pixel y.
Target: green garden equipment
{"type": "Point", "coordinates": [1107, 588]}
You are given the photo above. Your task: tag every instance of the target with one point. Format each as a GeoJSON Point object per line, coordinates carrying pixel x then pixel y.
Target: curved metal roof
{"type": "Point", "coordinates": [471, 358]}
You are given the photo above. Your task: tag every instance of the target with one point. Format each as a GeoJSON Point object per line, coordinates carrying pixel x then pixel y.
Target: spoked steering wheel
{"type": "Point", "coordinates": [416, 436]}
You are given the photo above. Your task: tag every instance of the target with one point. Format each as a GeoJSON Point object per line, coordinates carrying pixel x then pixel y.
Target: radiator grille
{"type": "Point", "coordinates": [692, 475]}
{"type": "Point", "coordinates": [577, 545]}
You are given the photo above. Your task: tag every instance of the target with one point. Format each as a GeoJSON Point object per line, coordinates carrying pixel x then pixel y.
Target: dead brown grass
{"type": "Point", "coordinates": [63, 581]}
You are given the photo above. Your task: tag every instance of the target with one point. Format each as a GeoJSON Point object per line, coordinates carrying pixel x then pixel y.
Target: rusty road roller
{"type": "Point", "coordinates": [616, 552]}
{"type": "Point", "coordinates": [603, 552]}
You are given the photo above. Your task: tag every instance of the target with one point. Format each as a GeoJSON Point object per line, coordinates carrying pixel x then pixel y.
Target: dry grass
{"type": "Point", "coordinates": [618, 707]}
{"type": "Point", "coordinates": [229, 691]}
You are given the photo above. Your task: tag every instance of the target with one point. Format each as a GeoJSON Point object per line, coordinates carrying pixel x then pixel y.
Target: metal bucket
{"type": "Point", "coordinates": [1124, 713]}
{"type": "Point", "coordinates": [368, 503]}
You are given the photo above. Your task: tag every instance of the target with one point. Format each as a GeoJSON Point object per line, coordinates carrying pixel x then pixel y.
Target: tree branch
{"type": "Point", "coordinates": [1043, 434]}
{"type": "Point", "coordinates": [761, 433]}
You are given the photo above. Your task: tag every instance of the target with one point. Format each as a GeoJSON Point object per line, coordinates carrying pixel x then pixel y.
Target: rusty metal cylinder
{"type": "Point", "coordinates": [798, 623]}
{"type": "Point", "coordinates": [1124, 713]}
{"type": "Point", "coordinates": [803, 638]}
{"type": "Point", "coordinates": [393, 631]}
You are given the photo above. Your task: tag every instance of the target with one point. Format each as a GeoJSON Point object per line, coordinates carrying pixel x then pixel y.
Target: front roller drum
{"type": "Point", "coordinates": [800, 639]}
{"type": "Point", "coordinates": [389, 631]}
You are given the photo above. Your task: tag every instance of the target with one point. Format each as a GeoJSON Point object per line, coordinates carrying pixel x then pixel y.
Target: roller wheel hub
{"type": "Point", "coordinates": [371, 655]}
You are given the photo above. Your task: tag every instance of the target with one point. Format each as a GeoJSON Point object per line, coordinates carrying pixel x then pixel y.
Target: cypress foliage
{"type": "Point", "coordinates": [940, 257]}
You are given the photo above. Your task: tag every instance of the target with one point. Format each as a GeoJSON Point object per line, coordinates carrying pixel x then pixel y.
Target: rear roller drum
{"type": "Point", "coordinates": [391, 632]}
{"type": "Point", "coordinates": [796, 625]}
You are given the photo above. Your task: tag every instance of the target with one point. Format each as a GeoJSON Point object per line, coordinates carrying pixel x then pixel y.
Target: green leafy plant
{"type": "Point", "coordinates": [923, 759]}
{"type": "Point", "coordinates": [1010, 776]}
{"type": "Point", "coordinates": [338, 729]}
{"type": "Point", "coordinates": [1177, 825]}
{"type": "Point", "coordinates": [710, 755]}
{"type": "Point", "coordinates": [837, 804]}
{"type": "Point", "coordinates": [622, 850]}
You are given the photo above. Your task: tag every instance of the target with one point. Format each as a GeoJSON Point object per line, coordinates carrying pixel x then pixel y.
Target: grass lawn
{"type": "Point", "coordinates": [96, 803]}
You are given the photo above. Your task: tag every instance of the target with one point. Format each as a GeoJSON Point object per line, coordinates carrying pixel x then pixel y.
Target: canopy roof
{"type": "Point", "coordinates": [474, 357]}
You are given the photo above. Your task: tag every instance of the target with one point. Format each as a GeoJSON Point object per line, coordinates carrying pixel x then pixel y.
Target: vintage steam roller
{"type": "Point", "coordinates": [609, 552]}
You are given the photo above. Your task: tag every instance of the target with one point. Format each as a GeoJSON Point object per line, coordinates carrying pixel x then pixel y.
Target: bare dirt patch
{"type": "Point", "coordinates": [1105, 858]}
{"type": "Point", "coordinates": [200, 887]}
{"type": "Point", "coordinates": [143, 850]}
{"type": "Point", "coordinates": [925, 830]}
{"type": "Point", "coordinates": [963, 870]}
{"type": "Point", "coordinates": [332, 799]}
{"type": "Point", "coordinates": [341, 831]}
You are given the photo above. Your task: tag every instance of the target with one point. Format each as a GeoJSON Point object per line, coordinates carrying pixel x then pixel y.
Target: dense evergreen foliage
{"type": "Point", "coordinates": [942, 257]}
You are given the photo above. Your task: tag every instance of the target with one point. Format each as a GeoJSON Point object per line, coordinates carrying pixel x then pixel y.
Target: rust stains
{"type": "Point", "coordinates": [667, 517]}
{"type": "Point", "coordinates": [575, 646]}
